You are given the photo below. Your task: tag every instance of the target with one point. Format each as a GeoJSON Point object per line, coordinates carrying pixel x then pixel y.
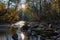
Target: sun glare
{"type": "Point", "coordinates": [23, 6]}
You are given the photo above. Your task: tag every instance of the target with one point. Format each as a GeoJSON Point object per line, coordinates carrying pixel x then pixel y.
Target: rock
{"type": "Point", "coordinates": [58, 38]}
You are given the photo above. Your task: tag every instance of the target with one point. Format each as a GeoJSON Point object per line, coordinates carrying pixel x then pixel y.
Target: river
{"type": "Point", "coordinates": [9, 37]}
{"type": "Point", "coordinates": [6, 37]}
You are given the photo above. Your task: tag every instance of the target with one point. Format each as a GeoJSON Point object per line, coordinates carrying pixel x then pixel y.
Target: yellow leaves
{"type": "Point", "coordinates": [2, 6]}
{"type": "Point", "coordinates": [10, 16]}
{"type": "Point", "coordinates": [17, 16]}
{"type": "Point", "coordinates": [54, 4]}
{"type": "Point", "coordinates": [55, 0]}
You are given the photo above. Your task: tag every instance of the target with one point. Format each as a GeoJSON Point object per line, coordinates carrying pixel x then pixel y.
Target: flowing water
{"type": "Point", "coordinates": [5, 37]}
{"type": "Point", "coordinates": [2, 37]}
{"type": "Point", "coordinates": [9, 37]}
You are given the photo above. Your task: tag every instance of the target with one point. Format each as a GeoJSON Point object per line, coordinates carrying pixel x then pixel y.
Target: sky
{"type": "Point", "coordinates": [22, 1]}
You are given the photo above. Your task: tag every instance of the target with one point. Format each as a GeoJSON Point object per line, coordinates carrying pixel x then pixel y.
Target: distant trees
{"type": "Point", "coordinates": [50, 12]}
{"type": "Point", "coordinates": [36, 10]}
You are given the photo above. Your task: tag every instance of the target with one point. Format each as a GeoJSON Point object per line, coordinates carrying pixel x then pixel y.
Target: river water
{"type": "Point", "coordinates": [6, 37]}
{"type": "Point", "coordinates": [9, 37]}
{"type": "Point", "coordinates": [2, 37]}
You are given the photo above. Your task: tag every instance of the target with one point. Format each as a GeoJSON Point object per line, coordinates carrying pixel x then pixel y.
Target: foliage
{"type": "Point", "coordinates": [2, 6]}
{"type": "Point", "coordinates": [8, 15]}
{"type": "Point", "coordinates": [50, 12]}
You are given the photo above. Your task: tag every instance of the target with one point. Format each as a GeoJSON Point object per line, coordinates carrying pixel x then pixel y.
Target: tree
{"type": "Point", "coordinates": [34, 8]}
{"type": "Point", "coordinates": [8, 17]}
{"type": "Point", "coordinates": [50, 12]}
{"type": "Point", "coordinates": [2, 6]}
